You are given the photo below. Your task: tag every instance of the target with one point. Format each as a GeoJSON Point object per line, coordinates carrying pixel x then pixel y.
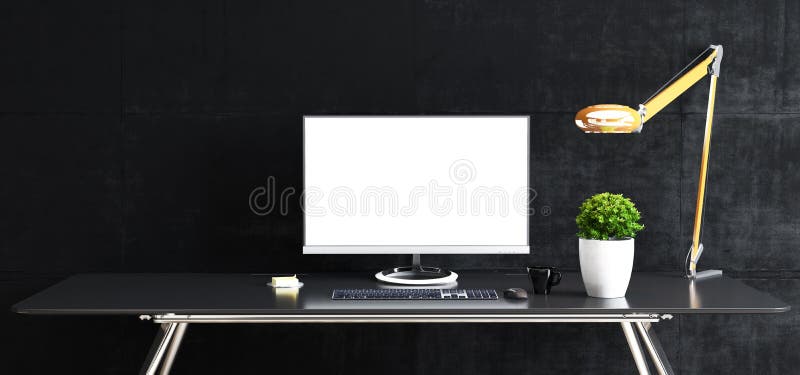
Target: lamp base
{"type": "Point", "coordinates": [690, 271]}
{"type": "Point", "coordinates": [707, 274]}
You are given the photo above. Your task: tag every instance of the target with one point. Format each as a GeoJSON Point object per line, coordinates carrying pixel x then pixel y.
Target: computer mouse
{"type": "Point", "coordinates": [515, 293]}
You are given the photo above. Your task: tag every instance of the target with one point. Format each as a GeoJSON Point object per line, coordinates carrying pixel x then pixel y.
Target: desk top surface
{"type": "Point", "coordinates": [115, 294]}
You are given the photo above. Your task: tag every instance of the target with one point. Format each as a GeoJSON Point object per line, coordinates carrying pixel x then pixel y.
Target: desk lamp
{"type": "Point", "coordinates": [614, 118]}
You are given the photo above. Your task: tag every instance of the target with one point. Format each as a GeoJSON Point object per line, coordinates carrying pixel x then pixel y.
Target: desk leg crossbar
{"type": "Point", "coordinates": [638, 330]}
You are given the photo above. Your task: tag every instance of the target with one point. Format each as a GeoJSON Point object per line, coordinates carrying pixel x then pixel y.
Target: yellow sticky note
{"type": "Point", "coordinates": [285, 281]}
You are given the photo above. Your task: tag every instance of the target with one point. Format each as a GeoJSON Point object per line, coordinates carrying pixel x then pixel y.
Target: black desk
{"type": "Point", "coordinates": [175, 300]}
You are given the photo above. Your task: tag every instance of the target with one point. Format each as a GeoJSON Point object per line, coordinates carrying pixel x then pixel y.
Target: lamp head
{"type": "Point", "coordinates": [609, 118]}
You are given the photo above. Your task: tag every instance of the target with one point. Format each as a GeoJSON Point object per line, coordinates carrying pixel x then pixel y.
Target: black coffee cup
{"type": "Point", "coordinates": [543, 278]}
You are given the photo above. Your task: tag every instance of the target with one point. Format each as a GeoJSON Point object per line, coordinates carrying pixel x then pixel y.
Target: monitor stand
{"type": "Point", "coordinates": [416, 274]}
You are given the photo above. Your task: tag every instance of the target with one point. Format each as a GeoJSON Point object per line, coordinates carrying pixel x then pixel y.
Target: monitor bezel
{"type": "Point", "coordinates": [419, 249]}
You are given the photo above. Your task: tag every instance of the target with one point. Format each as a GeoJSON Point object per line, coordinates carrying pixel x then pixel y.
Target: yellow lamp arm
{"type": "Point", "coordinates": [697, 248]}
{"type": "Point", "coordinates": [706, 63]}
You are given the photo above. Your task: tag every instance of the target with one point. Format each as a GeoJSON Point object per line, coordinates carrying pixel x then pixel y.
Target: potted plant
{"type": "Point", "coordinates": [607, 224]}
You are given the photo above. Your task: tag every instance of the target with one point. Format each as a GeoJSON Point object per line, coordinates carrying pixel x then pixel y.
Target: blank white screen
{"type": "Point", "coordinates": [365, 175]}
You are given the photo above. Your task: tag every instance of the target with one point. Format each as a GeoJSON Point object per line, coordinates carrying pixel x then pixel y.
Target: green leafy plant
{"type": "Point", "coordinates": [607, 216]}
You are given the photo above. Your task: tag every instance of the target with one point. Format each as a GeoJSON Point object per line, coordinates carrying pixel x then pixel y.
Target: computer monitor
{"type": "Point", "coordinates": [416, 185]}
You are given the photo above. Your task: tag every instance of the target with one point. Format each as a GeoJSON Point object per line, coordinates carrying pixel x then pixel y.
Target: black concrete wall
{"type": "Point", "coordinates": [134, 131]}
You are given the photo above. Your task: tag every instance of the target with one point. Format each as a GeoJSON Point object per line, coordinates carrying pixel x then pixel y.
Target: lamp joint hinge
{"type": "Point", "coordinates": [714, 67]}
{"type": "Point", "coordinates": [642, 114]}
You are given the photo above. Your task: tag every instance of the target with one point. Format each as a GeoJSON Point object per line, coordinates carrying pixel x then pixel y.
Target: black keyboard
{"type": "Point", "coordinates": [414, 294]}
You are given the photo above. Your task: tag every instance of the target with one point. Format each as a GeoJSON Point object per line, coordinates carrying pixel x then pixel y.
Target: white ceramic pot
{"type": "Point", "coordinates": [606, 266]}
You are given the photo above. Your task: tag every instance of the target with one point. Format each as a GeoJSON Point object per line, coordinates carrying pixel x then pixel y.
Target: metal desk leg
{"type": "Point", "coordinates": [180, 330]}
{"type": "Point", "coordinates": [166, 332]}
{"type": "Point", "coordinates": [636, 349]}
{"type": "Point", "coordinates": [654, 347]}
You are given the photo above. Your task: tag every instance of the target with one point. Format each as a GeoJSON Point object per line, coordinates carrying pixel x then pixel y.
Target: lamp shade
{"type": "Point", "coordinates": [608, 118]}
